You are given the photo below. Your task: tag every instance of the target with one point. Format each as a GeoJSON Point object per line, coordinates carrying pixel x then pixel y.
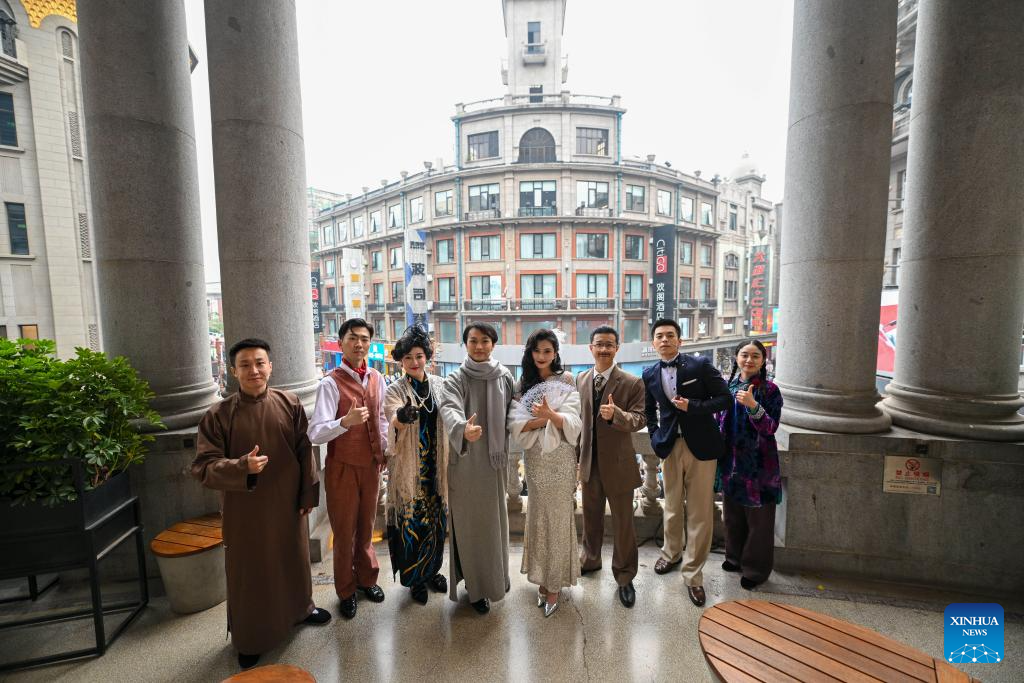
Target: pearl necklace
{"type": "Point", "coordinates": [421, 401]}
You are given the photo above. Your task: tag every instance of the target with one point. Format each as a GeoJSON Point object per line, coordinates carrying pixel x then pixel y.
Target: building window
{"type": "Point", "coordinates": [705, 288]}
{"type": "Point", "coordinates": [533, 44]}
{"type": "Point", "coordinates": [707, 214]}
{"type": "Point", "coordinates": [684, 328]}
{"type": "Point", "coordinates": [444, 203]}
{"type": "Point", "coordinates": [537, 245]}
{"type": "Point", "coordinates": [445, 251]}
{"type": "Point", "coordinates": [537, 198]}
{"type": "Point", "coordinates": [446, 289]}
{"type": "Point", "coordinates": [536, 95]}
{"type": "Point", "coordinates": [374, 221]}
{"type": "Point", "coordinates": [732, 261]}
{"type": "Point", "coordinates": [634, 247]}
{"type": "Point", "coordinates": [537, 145]}
{"type": "Point", "coordinates": [332, 326]}
{"type": "Point", "coordinates": [342, 231]}
{"type": "Point", "coordinates": [632, 330]}
{"type": "Point", "coordinates": [8, 127]}
{"type": "Point", "coordinates": [416, 209]}
{"type": "Point", "coordinates": [328, 235]}
{"type": "Point", "coordinates": [28, 331]}
{"type": "Point", "coordinates": [686, 253]}
{"type": "Point", "coordinates": [358, 225]}
{"type": "Point", "coordinates": [685, 288]}
{"type": "Point", "coordinates": [528, 327]}
{"type": "Point", "coordinates": [664, 203]}
{"type": "Point", "coordinates": [487, 248]}
{"type": "Point", "coordinates": [591, 195]}
{"type": "Point", "coordinates": [635, 198]}
{"type": "Point", "coordinates": [591, 286]}
{"type": "Point", "coordinates": [376, 261]}
{"type": "Point", "coordinates": [3, 331]}
{"type": "Point", "coordinates": [397, 293]}
{"type": "Point", "coordinates": [760, 223]}
{"type": "Point", "coordinates": [585, 327]}
{"type": "Point", "coordinates": [378, 295]}
{"type": "Point", "coordinates": [329, 268]}
{"type": "Point", "coordinates": [634, 288]}
{"type": "Point", "coordinates": [17, 229]}
{"type": "Point", "coordinates": [396, 257]}
{"type": "Point", "coordinates": [705, 255]}
{"type": "Point", "coordinates": [687, 209]}
{"type": "Point", "coordinates": [447, 332]}
{"type": "Point", "coordinates": [332, 296]}
{"type": "Point", "coordinates": [483, 145]}
{"type": "Point", "coordinates": [901, 182]}
{"type": "Point", "coordinates": [537, 287]}
{"type": "Point", "coordinates": [485, 287]}
{"type": "Point", "coordinates": [591, 245]}
{"type": "Point", "coordinates": [592, 141]}
{"type": "Point", "coordinates": [395, 216]}
{"type": "Point", "coordinates": [730, 290]}
{"type": "Point", "coordinates": [894, 269]}
{"type": "Point", "coordinates": [733, 217]}
{"type": "Point", "coordinates": [484, 197]}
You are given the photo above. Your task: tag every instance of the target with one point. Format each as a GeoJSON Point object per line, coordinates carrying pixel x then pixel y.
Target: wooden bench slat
{"type": "Point", "coordinates": [862, 633]}
{"type": "Point", "coordinates": [730, 673]}
{"type": "Point", "coordinates": [741, 660]}
{"type": "Point", "coordinates": [945, 673]}
{"type": "Point", "coordinates": [813, 641]}
{"type": "Point", "coordinates": [166, 549]}
{"type": "Point", "coordinates": [816, 660]}
{"type": "Point", "coordinates": [767, 655]}
{"type": "Point", "coordinates": [198, 530]}
{"type": "Point", "coordinates": [882, 655]}
{"type": "Point", "coordinates": [194, 540]}
{"type": "Point", "coordinates": [212, 519]}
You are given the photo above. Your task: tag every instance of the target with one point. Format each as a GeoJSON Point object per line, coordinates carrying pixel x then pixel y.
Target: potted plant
{"type": "Point", "coordinates": [70, 429]}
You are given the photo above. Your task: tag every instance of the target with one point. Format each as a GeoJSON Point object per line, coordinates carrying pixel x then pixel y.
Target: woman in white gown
{"type": "Point", "coordinates": [545, 423]}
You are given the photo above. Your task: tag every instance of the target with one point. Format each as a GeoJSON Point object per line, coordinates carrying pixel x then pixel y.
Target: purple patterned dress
{"type": "Point", "coordinates": [748, 471]}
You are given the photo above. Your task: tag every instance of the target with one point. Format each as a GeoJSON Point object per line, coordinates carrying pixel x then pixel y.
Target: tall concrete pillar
{"type": "Point", "coordinates": [145, 194]}
{"type": "Point", "coordinates": [260, 171]}
{"type": "Point", "coordinates": [837, 170]}
{"type": "Point", "coordinates": [962, 278]}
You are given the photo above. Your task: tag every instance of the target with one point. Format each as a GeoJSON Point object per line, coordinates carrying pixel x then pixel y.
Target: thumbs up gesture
{"type": "Point", "coordinates": [356, 415]}
{"type": "Point", "coordinates": [608, 409]}
{"type": "Point", "coordinates": [473, 431]}
{"type": "Point", "coordinates": [407, 414]}
{"type": "Point", "coordinates": [254, 461]}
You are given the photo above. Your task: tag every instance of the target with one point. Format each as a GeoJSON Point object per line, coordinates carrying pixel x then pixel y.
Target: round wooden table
{"type": "Point", "coordinates": [278, 673]}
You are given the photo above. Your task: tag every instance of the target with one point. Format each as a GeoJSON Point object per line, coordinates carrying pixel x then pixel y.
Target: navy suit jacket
{"type": "Point", "coordinates": [699, 381]}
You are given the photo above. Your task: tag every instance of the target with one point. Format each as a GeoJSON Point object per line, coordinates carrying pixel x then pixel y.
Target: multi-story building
{"type": "Point", "coordinates": [542, 222]}
{"type": "Point", "coordinates": [316, 201]}
{"type": "Point", "coordinates": [46, 271]}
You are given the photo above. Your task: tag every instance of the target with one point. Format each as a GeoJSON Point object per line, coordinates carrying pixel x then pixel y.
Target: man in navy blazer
{"type": "Point", "coordinates": [682, 395]}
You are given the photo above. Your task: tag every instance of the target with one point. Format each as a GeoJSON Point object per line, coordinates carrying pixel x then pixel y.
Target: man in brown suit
{"type": "Point", "coordinates": [612, 407]}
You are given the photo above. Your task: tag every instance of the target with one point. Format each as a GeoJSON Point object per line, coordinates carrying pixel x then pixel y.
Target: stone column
{"type": "Point", "coordinates": [962, 278]}
{"type": "Point", "coordinates": [260, 176]}
{"type": "Point", "coordinates": [837, 171]}
{"type": "Point", "coordinates": [514, 483]}
{"type": "Point", "coordinates": [650, 489]}
{"type": "Point", "coordinates": [145, 196]}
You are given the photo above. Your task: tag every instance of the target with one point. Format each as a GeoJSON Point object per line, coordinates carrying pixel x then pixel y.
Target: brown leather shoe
{"type": "Point", "coordinates": [664, 567]}
{"type": "Point", "coordinates": [696, 594]}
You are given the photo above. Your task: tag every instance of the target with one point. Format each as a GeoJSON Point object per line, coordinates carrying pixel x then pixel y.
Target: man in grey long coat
{"type": "Point", "coordinates": [474, 408]}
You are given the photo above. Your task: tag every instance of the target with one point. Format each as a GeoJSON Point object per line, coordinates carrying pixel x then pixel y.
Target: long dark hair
{"type": "Point", "coordinates": [763, 372]}
{"type": "Point", "coordinates": [531, 375]}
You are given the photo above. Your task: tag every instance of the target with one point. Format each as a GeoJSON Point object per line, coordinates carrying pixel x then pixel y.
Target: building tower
{"type": "Point", "coordinates": [533, 30]}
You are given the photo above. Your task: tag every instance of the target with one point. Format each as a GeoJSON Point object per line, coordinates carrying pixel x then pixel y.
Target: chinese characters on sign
{"type": "Point", "coordinates": [758, 297]}
{"type": "Point", "coordinates": [314, 283]}
{"type": "Point", "coordinates": [352, 277]}
{"type": "Point", "coordinates": [663, 302]}
{"type": "Point", "coordinates": [416, 305]}
{"type": "Point", "coordinates": [905, 474]}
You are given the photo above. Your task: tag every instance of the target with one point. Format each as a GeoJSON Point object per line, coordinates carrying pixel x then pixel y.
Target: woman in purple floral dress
{"type": "Point", "coordinates": [748, 471]}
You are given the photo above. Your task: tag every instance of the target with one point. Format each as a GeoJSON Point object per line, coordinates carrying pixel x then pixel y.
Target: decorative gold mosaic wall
{"type": "Point", "coordinates": [40, 9]}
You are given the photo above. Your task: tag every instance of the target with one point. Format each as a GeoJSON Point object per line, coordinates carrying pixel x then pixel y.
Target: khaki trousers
{"type": "Point", "coordinates": [689, 507]}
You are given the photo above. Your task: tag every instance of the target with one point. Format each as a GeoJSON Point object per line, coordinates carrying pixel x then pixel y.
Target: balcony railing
{"type": "Point", "coordinates": [442, 306]}
{"type": "Point", "coordinates": [485, 305]}
{"type": "Point", "coordinates": [593, 211]}
{"type": "Point", "coordinates": [901, 124]}
{"type": "Point", "coordinates": [591, 304]}
{"type": "Point", "coordinates": [634, 304]}
{"type": "Point", "coordinates": [687, 304]}
{"type": "Point", "coordinates": [539, 304]}
{"type": "Point", "coordinates": [484, 215]}
{"type": "Point", "coordinates": [395, 306]}
{"type": "Point", "coordinates": [526, 211]}
{"type": "Point", "coordinates": [374, 308]}
{"type": "Point", "coordinates": [708, 304]}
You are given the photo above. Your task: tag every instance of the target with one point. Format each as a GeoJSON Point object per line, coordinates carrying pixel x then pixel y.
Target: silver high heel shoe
{"type": "Point", "coordinates": [541, 599]}
{"type": "Point", "coordinates": [549, 608]}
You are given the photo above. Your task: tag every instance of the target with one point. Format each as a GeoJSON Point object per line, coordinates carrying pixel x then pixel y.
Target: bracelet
{"type": "Point", "coordinates": [757, 412]}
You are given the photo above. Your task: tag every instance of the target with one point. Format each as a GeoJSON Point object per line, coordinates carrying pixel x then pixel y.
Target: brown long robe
{"type": "Point", "coordinates": [266, 540]}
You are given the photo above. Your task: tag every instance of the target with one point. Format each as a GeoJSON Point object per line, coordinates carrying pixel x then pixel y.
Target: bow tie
{"type": "Point", "coordinates": [671, 363]}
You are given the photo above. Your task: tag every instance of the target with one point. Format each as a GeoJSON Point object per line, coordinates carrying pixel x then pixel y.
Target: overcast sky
{"type": "Point", "coordinates": [703, 81]}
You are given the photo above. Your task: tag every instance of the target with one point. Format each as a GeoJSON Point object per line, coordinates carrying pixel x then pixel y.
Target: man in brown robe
{"type": "Point", "coordinates": [253, 448]}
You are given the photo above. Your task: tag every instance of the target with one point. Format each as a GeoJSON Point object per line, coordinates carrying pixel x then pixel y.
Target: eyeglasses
{"type": "Point", "coordinates": [604, 346]}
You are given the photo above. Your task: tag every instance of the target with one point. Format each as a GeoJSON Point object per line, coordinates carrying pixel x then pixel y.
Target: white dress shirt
{"type": "Point", "coordinates": [324, 426]}
{"type": "Point", "coordinates": [668, 379]}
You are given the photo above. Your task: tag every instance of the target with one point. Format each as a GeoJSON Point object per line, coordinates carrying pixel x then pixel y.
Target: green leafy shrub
{"type": "Point", "coordinates": [89, 408]}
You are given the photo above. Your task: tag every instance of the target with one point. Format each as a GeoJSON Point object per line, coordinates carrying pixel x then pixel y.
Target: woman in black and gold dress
{"type": "Point", "coordinates": [417, 498]}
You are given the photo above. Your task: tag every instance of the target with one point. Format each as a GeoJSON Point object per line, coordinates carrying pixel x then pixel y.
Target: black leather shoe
{"type": "Point", "coordinates": [584, 571]}
{"type": "Point", "coordinates": [627, 595]}
{"type": "Point", "coordinates": [419, 594]}
{"type": "Point", "coordinates": [374, 593]}
{"type": "Point", "coordinates": [247, 661]}
{"type": "Point", "coordinates": [730, 567]}
{"type": "Point", "coordinates": [317, 617]}
{"type": "Point", "coordinates": [348, 606]}
{"type": "Point", "coordinates": [696, 594]}
{"type": "Point", "coordinates": [482, 606]}
{"type": "Point", "coordinates": [749, 584]}
{"type": "Point", "coordinates": [438, 583]}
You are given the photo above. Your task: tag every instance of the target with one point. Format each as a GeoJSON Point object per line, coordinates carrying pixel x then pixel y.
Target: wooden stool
{"type": "Point", "coordinates": [755, 640]}
{"type": "Point", "coordinates": [190, 555]}
{"type": "Point", "coordinates": [279, 673]}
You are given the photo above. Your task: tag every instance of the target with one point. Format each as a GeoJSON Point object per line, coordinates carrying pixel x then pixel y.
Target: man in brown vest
{"type": "Point", "coordinates": [349, 418]}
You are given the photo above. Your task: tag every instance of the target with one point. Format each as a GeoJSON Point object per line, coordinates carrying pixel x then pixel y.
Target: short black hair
{"type": "Point", "coordinates": [250, 343]}
{"type": "Point", "coordinates": [604, 329]}
{"type": "Point", "coordinates": [414, 337]}
{"type": "Point", "coordinates": [353, 323]}
{"type": "Point", "coordinates": [662, 322]}
{"type": "Point", "coordinates": [482, 327]}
